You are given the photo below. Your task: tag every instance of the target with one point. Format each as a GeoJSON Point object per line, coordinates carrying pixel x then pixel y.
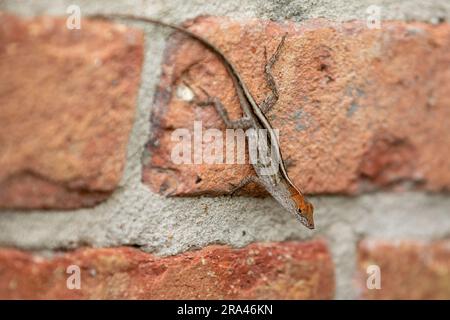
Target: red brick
{"type": "Point", "coordinates": [409, 269]}
{"type": "Point", "coordinates": [359, 110]}
{"type": "Point", "coordinates": [67, 105]}
{"type": "Point", "coordinates": [287, 270]}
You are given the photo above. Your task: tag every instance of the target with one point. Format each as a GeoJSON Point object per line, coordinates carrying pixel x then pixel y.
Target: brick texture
{"type": "Point", "coordinates": [409, 269]}
{"type": "Point", "coordinates": [287, 270]}
{"type": "Point", "coordinates": [359, 110]}
{"type": "Point", "coordinates": [67, 102]}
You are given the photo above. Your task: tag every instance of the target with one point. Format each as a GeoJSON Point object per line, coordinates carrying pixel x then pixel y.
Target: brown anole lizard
{"type": "Point", "coordinates": [276, 182]}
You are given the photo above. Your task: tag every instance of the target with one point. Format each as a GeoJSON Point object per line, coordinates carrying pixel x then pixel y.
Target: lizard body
{"type": "Point", "coordinates": [277, 183]}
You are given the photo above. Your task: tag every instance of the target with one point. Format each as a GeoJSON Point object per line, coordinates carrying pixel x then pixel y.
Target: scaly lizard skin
{"type": "Point", "coordinates": [273, 177]}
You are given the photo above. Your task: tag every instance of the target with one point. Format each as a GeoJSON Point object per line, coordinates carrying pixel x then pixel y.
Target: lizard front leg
{"type": "Point", "coordinates": [272, 98]}
{"type": "Point", "coordinates": [242, 123]}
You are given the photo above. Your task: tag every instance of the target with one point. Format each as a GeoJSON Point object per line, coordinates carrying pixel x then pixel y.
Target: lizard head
{"type": "Point", "coordinates": [304, 209]}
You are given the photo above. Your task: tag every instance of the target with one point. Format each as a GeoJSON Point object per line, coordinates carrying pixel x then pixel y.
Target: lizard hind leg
{"type": "Point", "coordinates": [242, 123]}
{"type": "Point", "coordinates": [243, 183]}
{"type": "Point", "coordinates": [272, 98]}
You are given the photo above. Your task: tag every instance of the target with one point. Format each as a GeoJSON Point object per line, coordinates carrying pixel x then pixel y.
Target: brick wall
{"type": "Point", "coordinates": [87, 180]}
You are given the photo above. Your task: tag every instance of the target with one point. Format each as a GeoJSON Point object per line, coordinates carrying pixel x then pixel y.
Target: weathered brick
{"type": "Point", "coordinates": [409, 269]}
{"type": "Point", "coordinates": [288, 270]}
{"type": "Point", "coordinates": [359, 110]}
{"type": "Point", "coordinates": [67, 102]}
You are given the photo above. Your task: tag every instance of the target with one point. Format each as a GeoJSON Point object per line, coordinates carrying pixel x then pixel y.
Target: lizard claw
{"type": "Point", "coordinates": [233, 190]}
{"type": "Point", "coordinates": [204, 103]}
